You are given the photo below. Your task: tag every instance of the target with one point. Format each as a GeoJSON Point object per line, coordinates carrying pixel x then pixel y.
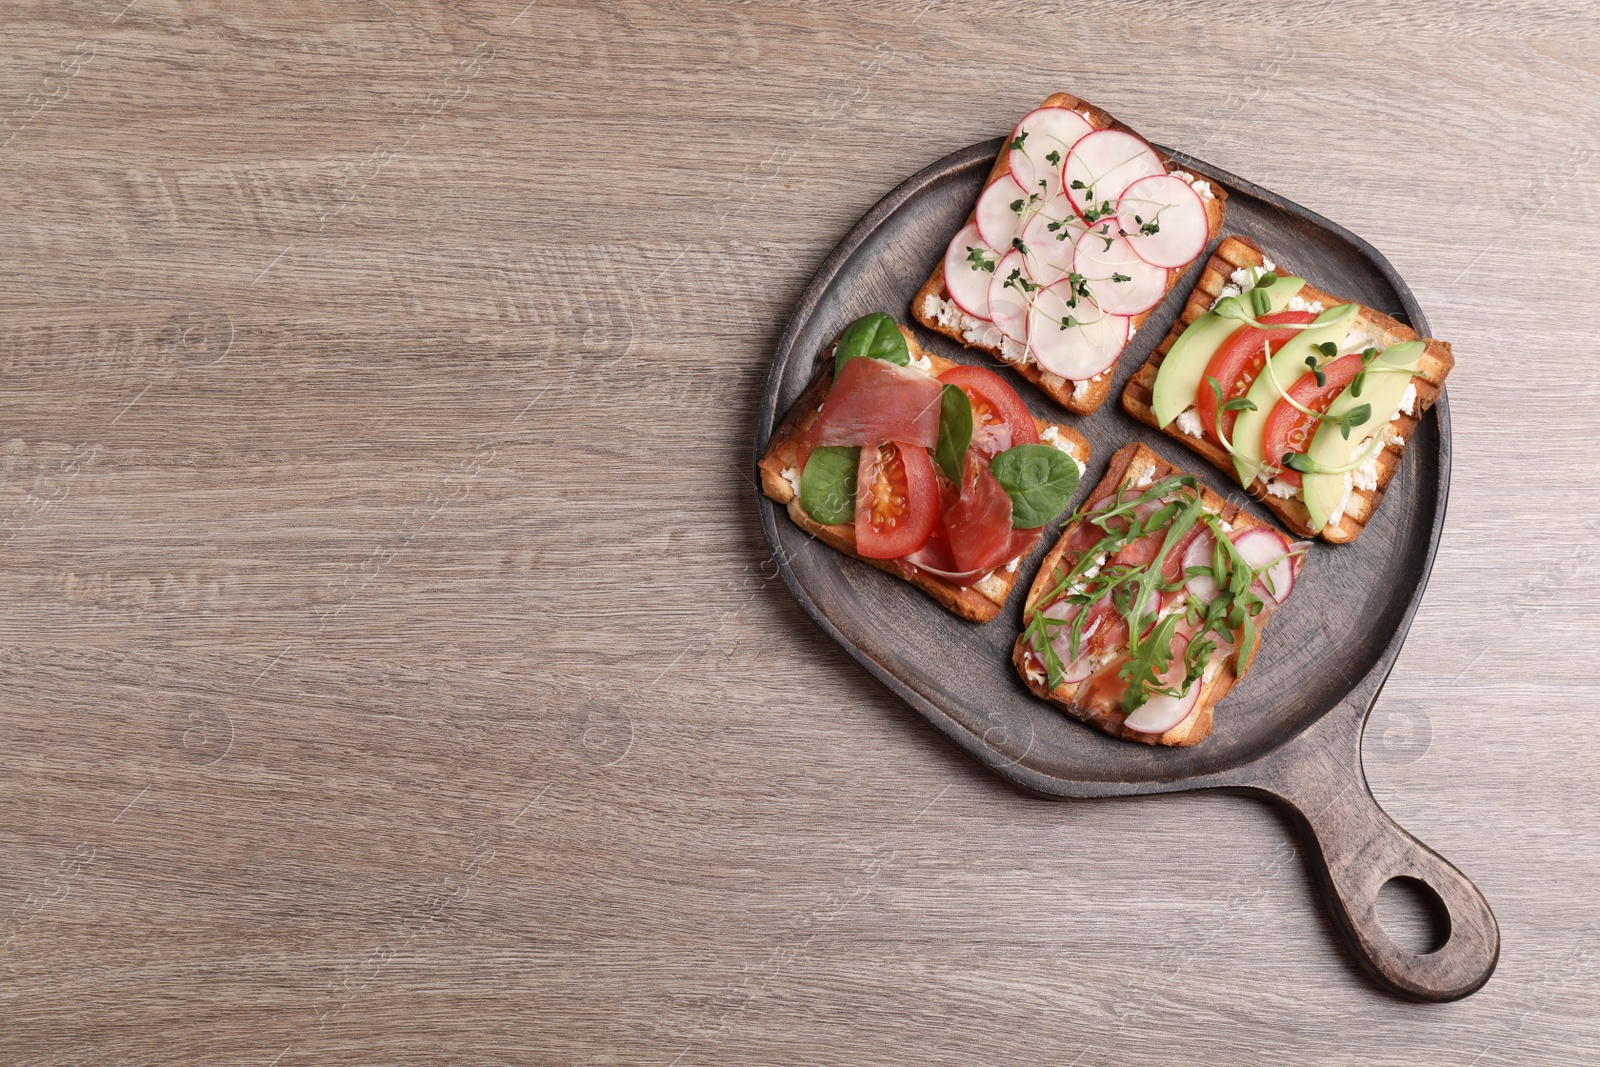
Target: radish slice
{"type": "Point", "coordinates": [1262, 546]}
{"type": "Point", "coordinates": [1177, 213]}
{"type": "Point", "coordinates": [1008, 304]}
{"type": "Point", "coordinates": [1078, 669]}
{"type": "Point", "coordinates": [1161, 712]}
{"type": "Point", "coordinates": [1079, 351]}
{"type": "Point", "coordinates": [1103, 164]}
{"type": "Point", "coordinates": [1052, 235]}
{"type": "Point", "coordinates": [1043, 132]}
{"type": "Point", "coordinates": [966, 281]}
{"type": "Point", "coordinates": [1199, 555]}
{"type": "Point", "coordinates": [1122, 283]}
{"type": "Point", "coordinates": [997, 220]}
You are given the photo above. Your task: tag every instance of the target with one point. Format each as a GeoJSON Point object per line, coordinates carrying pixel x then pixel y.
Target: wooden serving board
{"type": "Point", "coordinates": [1291, 731]}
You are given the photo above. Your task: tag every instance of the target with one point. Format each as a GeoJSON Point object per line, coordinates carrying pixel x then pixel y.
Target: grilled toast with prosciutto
{"type": "Point", "coordinates": [1080, 231]}
{"type": "Point", "coordinates": [1155, 553]}
{"type": "Point", "coordinates": [1232, 271]}
{"type": "Point", "coordinates": [968, 562]}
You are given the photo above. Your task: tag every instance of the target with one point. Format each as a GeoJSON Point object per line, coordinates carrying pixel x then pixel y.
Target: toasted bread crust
{"type": "Point", "coordinates": [1062, 390]}
{"type": "Point", "coordinates": [979, 602]}
{"type": "Point", "coordinates": [1436, 363]}
{"type": "Point", "coordinates": [1130, 463]}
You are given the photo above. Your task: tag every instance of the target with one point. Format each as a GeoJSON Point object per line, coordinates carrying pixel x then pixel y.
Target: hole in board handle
{"type": "Point", "coordinates": [1413, 915]}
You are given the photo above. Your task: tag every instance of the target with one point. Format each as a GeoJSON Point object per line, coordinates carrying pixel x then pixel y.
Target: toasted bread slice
{"type": "Point", "coordinates": [1436, 362]}
{"type": "Point", "coordinates": [1085, 397]}
{"type": "Point", "coordinates": [1133, 465]}
{"type": "Point", "coordinates": [780, 477]}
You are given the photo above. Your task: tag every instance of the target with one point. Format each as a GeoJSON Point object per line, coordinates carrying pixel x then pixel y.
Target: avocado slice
{"type": "Point", "coordinates": [1178, 378]}
{"type": "Point", "coordinates": [1288, 364]}
{"type": "Point", "coordinates": [1330, 448]}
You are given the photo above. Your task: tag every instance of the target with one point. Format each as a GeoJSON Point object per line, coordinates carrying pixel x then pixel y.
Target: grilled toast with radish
{"type": "Point", "coordinates": [1080, 231]}
{"type": "Point", "coordinates": [1156, 554]}
{"type": "Point", "coordinates": [1306, 398]}
{"type": "Point", "coordinates": [927, 469]}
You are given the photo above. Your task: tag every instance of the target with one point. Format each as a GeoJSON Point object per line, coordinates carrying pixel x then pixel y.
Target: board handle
{"type": "Point", "coordinates": [1357, 849]}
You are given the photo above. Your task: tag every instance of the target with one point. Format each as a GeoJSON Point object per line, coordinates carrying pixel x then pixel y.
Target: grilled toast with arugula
{"type": "Point", "coordinates": [1318, 430]}
{"type": "Point", "coordinates": [1151, 606]}
{"type": "Point", "coordinates": [1081, 229]}
{"type": "Point", "coordinates": [930, 470]}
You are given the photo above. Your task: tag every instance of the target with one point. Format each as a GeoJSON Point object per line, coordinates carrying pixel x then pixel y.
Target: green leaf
{"type": "Point", "coordinates": [955, 432]}
{"type": "Point", "coordinates": [1355, 386]}
{"type": "Point", "coordinates": [1269, 278]}
{"type": "Point", "coordinates": [1040, 481]}
{"type": "Point", "coordinates": [1216, 387]}
{"type": "Point", "coordinates": [1239, 404]}
{"type": "Point", "coordinates": [1147, 663]}
{"type": "Point", "coordinates": [828, 484]}
{"type": "Point", "coordinates": [1053, 157]}
{"type": "Point", "coordinates": [1260, 303]}
{"type": "Point", "coordinates": [1016, 143]}
{"type": "Point", "coordinates": [1322, 379]}
{"type": "Point", "coordinates": [1121, 278]}
{"type": "Point", "coordinates": [1017, 205]}
{"type": "Point", "coordinates": [1327, 348]}
{"type": "Point", "coordinates": [1297, 461]}
{"type": "Point", "coordinates": [1353, 418]}
{"type": "Point", "coordinates": [874, 336]}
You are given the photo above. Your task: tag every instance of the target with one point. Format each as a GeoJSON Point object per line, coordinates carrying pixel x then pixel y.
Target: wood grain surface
{"type": "Point", "coordinates": [392, 671]}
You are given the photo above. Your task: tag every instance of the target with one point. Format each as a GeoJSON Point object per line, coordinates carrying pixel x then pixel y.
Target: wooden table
{"type": "Point", "coordinates": [393, 671]}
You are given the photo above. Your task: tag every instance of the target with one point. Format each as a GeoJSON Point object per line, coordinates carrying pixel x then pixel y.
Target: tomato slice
{"type": "Point", "coordinates": [1288, 429]}
{"type": "Point", "coordinates": [897, 500]}
{"type": "Point", "coordinates": [1237, 362]}
{"type": "Point", "coordinates": [1000, 419]}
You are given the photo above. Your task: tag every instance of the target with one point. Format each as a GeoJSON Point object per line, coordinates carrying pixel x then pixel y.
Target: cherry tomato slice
{"type": "Point", "coordinates": [1237, 362]}
{"type": "Point", "coordinates": [1000, 420]}
{"type": "Point", "coordinates": [1289, 429]}
{"type": "Point", "coordinates": [897, 500]}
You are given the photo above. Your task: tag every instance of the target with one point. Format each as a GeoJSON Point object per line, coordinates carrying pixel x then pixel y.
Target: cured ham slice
{"type": "Point", "coordinates": [873, 401]}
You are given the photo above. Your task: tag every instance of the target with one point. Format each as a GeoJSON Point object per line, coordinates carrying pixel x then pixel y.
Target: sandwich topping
{"type": "Point", "coordinates": [942, 474]}
{"type": "Point", "coordinates": [1300, 396]}
{"type": "Point", "coordinates": [1152, 592]}
{"type": "Point", "coordinates": [1072, 243]}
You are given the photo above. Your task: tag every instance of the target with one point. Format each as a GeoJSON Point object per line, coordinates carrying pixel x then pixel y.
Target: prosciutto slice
{"type": "Point", "coordinates": [873, 401]}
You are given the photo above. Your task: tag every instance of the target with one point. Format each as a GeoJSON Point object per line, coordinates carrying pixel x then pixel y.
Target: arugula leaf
{"type": "Point", "coordinates": [828, 484]}
{"type": "Point", "coordinates": [955, 432]}
{"type": "Point", "coordinates": [874, 336]}
{"type": "Point", "coordinates": [1147, 663]}
{"type": "Point", "coordinates": [1039, 479]}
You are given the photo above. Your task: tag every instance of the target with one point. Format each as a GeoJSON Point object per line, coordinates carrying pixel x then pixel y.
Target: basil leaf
{"type": "Point", "coordinates": [874, 336]}
{"type": "Point", "coordinates": [1039, 479]}
{"type": "Point", "coordinates": [828, 484]}
{"type": "Point", "coordinates": [955, 432]}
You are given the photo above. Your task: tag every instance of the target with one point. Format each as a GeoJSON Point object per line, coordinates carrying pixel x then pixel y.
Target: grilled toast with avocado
{"type": "Point", "coordinates": [1166, 392]}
